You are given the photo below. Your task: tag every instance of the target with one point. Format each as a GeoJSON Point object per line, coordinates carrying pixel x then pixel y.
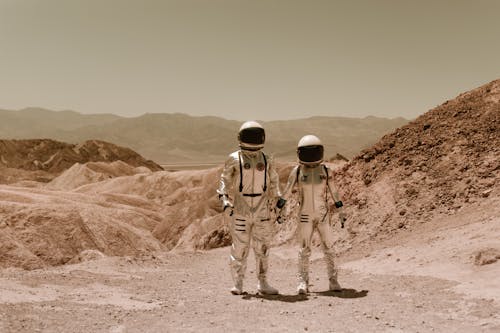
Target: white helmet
{"type": "Point", "coordinates": [310, 150]}
{"type": "Point", "coordinates": [251, 136]}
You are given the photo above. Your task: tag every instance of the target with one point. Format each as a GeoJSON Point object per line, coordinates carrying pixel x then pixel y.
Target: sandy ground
{"type": "Point", "coordinates": [429, 284]}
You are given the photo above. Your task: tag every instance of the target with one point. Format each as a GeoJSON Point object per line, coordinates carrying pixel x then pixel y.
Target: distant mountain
{"type": "Point", "coordinates": [346, 136]}
{"type": "Point", "coordinates": [179, 138]}
{"type": "Point", "coordinates": [37, 123]}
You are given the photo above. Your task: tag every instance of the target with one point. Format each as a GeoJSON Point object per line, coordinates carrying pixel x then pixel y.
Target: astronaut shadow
{"type": "Point", "coordinates": [279, 297]}
{"type": "Point", "coordinates": [344, 293]}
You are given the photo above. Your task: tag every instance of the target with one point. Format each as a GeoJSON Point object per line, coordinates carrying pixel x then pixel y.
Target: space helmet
{"type": "Point", "coordinates": [310, 150]}
{"type": "Point", "coordinates": [251, 136]}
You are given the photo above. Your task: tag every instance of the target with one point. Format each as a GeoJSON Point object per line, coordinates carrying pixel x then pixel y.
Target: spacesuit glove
{"type": "Point", "coordinates": [226, 203]}
{"type": "Point", "coordinates": [280, 203]}
{"type": "Point", "coordinates": [342, 218]}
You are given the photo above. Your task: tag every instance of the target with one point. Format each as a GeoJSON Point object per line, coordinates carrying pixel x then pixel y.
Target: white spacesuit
{"type": "Point", "coordinates": [249, 190]}
{"type": "Point", "coordinates": [317, 199]}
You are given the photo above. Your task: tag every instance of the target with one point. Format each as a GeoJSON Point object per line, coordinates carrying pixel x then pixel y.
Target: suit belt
{"type": "Point", "coordinates": [252, 194]}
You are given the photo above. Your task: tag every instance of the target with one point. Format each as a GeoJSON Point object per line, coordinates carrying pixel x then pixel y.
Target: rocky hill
{"type": "Point", "coordinates": [48, 227]}
{"type": "Point", "coordinates": [440, 163]}
{"type": "Point", "coordinates": [46, 158]}
{"type": "Point", "coordinates": [179, 138]}
{"type": "Point", "coordinates": [93, 172]}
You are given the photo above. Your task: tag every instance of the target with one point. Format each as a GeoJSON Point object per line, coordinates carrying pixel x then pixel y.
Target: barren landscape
{"type": "Point", "coordinates": [429, 280]}
{"type": "Point", "coordinates": [114, 245]}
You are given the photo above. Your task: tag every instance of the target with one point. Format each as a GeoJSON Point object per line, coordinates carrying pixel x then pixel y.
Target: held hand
{"type": "Point", "coordinates": [280, 203]}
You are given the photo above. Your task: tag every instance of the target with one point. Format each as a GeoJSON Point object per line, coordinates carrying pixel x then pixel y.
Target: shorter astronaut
{"type": "Point", "coordinates": [317, 200]}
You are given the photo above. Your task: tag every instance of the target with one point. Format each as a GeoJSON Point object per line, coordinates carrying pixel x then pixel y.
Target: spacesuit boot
{"type": "Point", "coordinates": [238, 288]}
{"type": "Point", "coordinates": [334, 285]}
{"type": "Point", "coordinates": [265, 289]}
{"type": "Point", "coordinates": [332, 273]}
{"type": "Point", "coordinates": [303, 274]}
{"type": "Point", "coordinates": [238, 268]}
{"type": "Point", "coordinates": [302, 287]}
{"type": "Point", "coordinates": [303, 279]}
{"type": "Point", "coordinates": [331, 269]}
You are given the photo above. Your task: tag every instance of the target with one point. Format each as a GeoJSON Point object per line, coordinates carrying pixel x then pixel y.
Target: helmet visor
{"type": "Point", "coordinates": [310, 153]}
{"type": "Point", "coordinates": [254, 135]}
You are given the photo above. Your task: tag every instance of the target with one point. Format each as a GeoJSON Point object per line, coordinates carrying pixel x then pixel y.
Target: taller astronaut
{"type": "Point", "coordinates": [249, 190]}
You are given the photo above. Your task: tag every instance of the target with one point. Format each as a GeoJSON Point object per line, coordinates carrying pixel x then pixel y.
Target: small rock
{"type": "Point", "coordinates": [486, 193]}
{"type": "Point", "coordinates": [486, 256]}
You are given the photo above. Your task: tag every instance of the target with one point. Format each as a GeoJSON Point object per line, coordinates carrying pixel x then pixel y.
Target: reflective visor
{"type": "Point", "coordinates": [310, 153]}
{"type": "Point", "coordinates": [252, 135]}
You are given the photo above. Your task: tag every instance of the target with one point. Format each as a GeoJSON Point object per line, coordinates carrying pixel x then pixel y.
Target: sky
{"type": "Point", "coordinates": [246, 59]}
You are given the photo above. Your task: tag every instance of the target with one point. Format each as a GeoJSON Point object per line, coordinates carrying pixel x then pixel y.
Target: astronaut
{"type": "Point", "coordinates": [317, 200]}
{"type": "Point", "coordinates": [249, 191]}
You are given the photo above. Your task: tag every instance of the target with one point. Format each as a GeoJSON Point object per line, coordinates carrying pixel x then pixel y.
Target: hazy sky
{"type": "Point", "coordinates": [253, 59]}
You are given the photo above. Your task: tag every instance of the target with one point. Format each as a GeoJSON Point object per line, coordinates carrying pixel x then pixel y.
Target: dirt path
{"type": "Point", "coordinates": [189, 293]}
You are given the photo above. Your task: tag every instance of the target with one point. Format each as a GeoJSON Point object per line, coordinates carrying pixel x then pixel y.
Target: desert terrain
{"type": "Point", "coordinates": [431, 280]}
{"type": "Point", "coordinates": [116, 245]}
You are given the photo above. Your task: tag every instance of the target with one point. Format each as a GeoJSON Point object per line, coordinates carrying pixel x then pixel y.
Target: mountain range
{"type": "Point", "coordinates": [170, 138]}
